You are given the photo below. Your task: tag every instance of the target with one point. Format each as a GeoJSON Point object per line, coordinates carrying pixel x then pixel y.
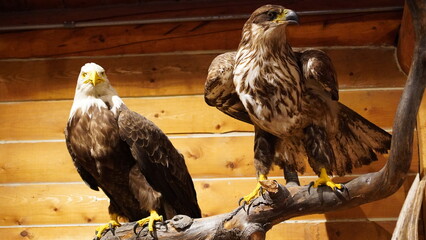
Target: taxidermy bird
{"type": "Point", "coordinates": [126, 155]}
{"type": "Point", "coordinates": [291, 98]}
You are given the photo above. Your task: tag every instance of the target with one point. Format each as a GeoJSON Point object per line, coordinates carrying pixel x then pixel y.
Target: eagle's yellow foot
{"type": "Point", "coordinates": [324, 179]}
{"type": "Point", "coordinates": [111, 225]}
{"type": "Point", "coordinates": [150, 220]}
{"type": "Point", "coordinates": [255, 193]}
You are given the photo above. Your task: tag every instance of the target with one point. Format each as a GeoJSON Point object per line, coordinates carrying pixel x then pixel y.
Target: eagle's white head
{"type": "Point", "coordinates": [93, 81]}
{"type": "Point", "coordinates": [94, 88]}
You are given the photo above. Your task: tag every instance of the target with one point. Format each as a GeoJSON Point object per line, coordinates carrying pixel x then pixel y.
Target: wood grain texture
{"type": "Point", "coordinates": [367, 29]}
{"type": "Point", "coordinates": [43, 120]}
{"type": "Point", "coordinates": [174, 74]}
{"type": "Point", "coordinates": [377, 230]}
{"type": "Point", "coordinates": [75, 203]}
{"type": "Point", "coordinates": [49, 233]}
{"type": "Point", "coordinates": [407, 225]}
{"type": "Point", "coordinates": [58, 11]}
{"type": "Point", "coordinates": [50, 161]}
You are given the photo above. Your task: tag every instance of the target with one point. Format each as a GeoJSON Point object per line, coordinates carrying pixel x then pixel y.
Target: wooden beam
{"type": "Point", "coordinates": [174, 74]}
{"type": "Point", "coordinates": [375, 229]}
{"type": "Point", "coordinates": [366, 29]}
{"type": "Point", "coordinates": [76, 203]}
{"type": "Point", "coordinates": [55, 11]}
{"type": "Point", "coordinates": [54, 164]}
{"type": "Point", "coordinates": [174, 115]}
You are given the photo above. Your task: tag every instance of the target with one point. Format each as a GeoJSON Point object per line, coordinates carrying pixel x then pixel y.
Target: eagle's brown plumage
{"type": "Point", "coordinates": [125, 154]}
{"type": "Point", "coordinates": [293, 97]}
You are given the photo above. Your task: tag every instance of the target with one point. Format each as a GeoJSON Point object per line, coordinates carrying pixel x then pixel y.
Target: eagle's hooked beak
{"type": "Point", "coordinates": [94, 78]}
{"type": "Point", "coordinates": [291, 17]}
{"type": "Point", "coordinates": [288, 16]}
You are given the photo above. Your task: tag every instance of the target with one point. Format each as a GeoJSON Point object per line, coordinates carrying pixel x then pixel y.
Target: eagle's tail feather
{"type": "Point", "coordinates": [357, 141]}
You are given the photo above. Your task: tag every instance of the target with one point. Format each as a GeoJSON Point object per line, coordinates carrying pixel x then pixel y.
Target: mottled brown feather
{"type": "Point", "coordinates": [160, 162]}
{"type": "Point", "coordinates": [325, 131]}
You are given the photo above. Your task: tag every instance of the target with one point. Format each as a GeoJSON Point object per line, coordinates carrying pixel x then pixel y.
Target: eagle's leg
{"type": "Point", "coordinates": [264, 149]}
{"type": "Point", "coordinates": [150, 220]}
{"type": "Point", "coordinates": [109, 226]}
{"type": "Point", "coordinates": [320, 155]}
{"type": "Point", "coordinates": [290, 176]}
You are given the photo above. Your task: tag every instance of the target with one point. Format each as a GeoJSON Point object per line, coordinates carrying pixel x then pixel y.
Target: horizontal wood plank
{"type": "Point", "coordinates": [372, 230]}
{"type": "Point", "coordinates": [75, 203]}
{"type": "Point", "coordinates": [174, 74]}
{"type": "Point", "coordinates": [356, 230]}
{"type": "Point", "coordinates": [56, 11]}
{"type": "Point", "coordinates": [189, 114]}
{"type": "Point", "coordinates": [51, 162]}
{"type": "Point", "coordinates": [49, 233]}
{"type": "Point", "coordinates": [366, 29]}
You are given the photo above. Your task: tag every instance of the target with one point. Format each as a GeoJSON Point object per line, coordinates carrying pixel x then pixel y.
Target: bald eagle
{"type": "Point", "coordinates": [126, 155]}
{"type": "Point", "coordinates": [291, 98]}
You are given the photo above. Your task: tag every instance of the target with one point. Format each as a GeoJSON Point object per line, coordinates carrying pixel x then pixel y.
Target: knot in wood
{"type": "Point", "coordinates": [180, 222]}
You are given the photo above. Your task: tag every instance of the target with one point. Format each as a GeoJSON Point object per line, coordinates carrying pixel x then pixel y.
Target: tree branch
{"type": "Point", "coordinates": [285, 202]}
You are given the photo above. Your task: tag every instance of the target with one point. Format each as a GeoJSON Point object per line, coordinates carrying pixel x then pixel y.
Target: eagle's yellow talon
{"type": "Point", "coordinates": [256, 192]}
{"type": "Point", "coordinates": [150, 220]}
{"type": "Point", "coordinates": [324, 179]}
{"type": "Point", "coordinates": [111, 224]}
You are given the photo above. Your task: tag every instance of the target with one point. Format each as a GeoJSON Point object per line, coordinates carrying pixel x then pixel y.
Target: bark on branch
{"type": "Point", "coordinates": [285, 202]}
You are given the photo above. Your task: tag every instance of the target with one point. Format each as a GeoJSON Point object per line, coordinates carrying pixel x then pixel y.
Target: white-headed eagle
{"type": "Point", "coordinates": [292, 100]}
{"type": "Point", "coordinates": [126, 155]}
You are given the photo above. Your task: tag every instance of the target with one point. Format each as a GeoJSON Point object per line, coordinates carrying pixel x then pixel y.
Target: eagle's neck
{"type": "Point", "coordinates": [265, 59]}
{"type": "Point", "coordinates": [104, 98]}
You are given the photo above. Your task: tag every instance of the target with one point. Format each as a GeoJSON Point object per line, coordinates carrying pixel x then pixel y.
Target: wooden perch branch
{"type": "Point", "coordinates": [285, 202]}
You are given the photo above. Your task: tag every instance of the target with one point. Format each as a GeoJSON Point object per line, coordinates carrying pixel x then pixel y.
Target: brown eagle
{"type": "Point", "coordinates": [291, 98]}
{"type": "Point", "coordinates": [126, 155]}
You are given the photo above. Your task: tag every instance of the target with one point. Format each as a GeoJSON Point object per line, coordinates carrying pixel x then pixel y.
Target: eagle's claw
{"type": "Point", "coordinates": [309, 187]}
{"type": "Point", "coordinates": [342, 193]}
{"type": "Point", "coordinates": [341, 190]}
{"type": "Point", "coordinates": [148, 220]}
{"type": "Point", "coordinates": [110, 226]}
{"type": "Point", "coordinates": [241, 200]}
{"type": "Point", "coordinates": [258, 190]}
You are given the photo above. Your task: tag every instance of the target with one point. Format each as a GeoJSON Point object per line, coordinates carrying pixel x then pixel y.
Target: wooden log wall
{"type": "Point", "coordinates": [159, 69]}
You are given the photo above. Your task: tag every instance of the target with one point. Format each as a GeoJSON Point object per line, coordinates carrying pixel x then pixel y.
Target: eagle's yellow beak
{"type": "Point", "coordinates": [94, 78]}
{"type": "Point", "coordinates": [288, 16]}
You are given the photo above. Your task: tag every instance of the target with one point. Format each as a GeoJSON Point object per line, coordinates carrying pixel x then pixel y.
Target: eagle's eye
{"type": "Point", "coordinates": [84, 74]}
{"type": "Point", "coordinates": [272, 15]}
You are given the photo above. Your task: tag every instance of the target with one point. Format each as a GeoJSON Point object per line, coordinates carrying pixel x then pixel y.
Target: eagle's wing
{"type": "Point", "coordinates": [316, 65]}
{"type": "Point", "coordinates": [85, 175]}
{"type": "Point", "coordinates": [356, 140]}
{"type": "Point", "coordinates": [162, 165]}
{"type": "Point", "coordinates": [219, 89]}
